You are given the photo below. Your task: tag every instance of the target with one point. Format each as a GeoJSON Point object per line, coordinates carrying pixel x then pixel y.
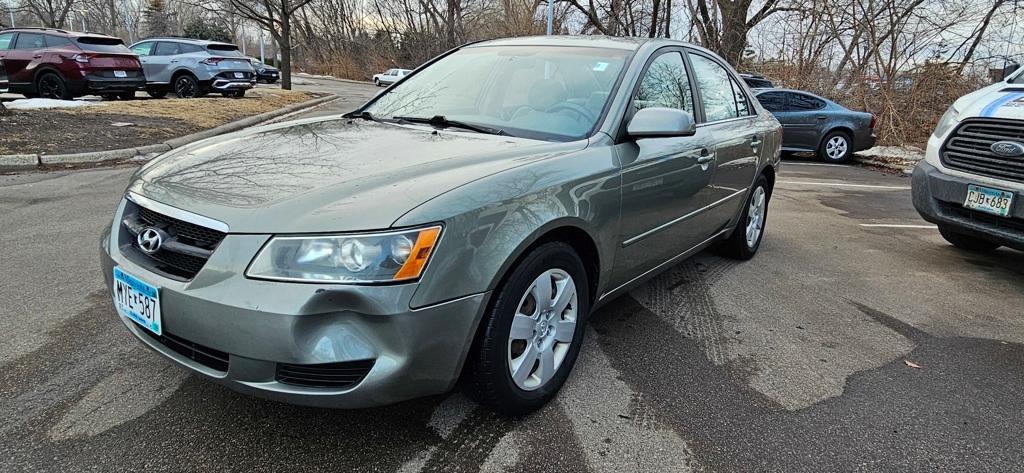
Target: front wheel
{"type": "Point", "coordinates": [532, 333]}
{"type": "Point", "coordinates": [836, 148]}
{"type": "Point", "coordinates": [966, 242]}
{"type": "Point", "coordinates": [746, 237]}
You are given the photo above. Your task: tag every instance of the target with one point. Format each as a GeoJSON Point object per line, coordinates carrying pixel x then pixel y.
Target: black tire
{"type": "Point", "coordinates": [967, 242]}
{"type": "Point", "coordinates": [489, 378]}
{"type": "Point", "coordinates": [156, 93]}
{"type": "Point", "coordinates": [842, 139]}
{"type": "Point", "coordinates": [738, 246]}
{"type": "Point", "coordinates": [186, 87]}
{"type": "Point", "coordinates": [271, 81]}
{"type": "Point", "coordinates": [51, 85]}
{"type": "Point", "coordinates": [376, 82]}
{"type": "Point", "coordinates": [126, 95]}
{"type": "Point", "coordinates": [108, 96]}
{"type": "Point", "coordinates": [234, 94]}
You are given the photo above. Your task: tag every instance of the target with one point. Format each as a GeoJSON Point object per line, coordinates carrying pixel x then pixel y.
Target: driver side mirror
{"type": "Point", "coordinates": [661, 122]}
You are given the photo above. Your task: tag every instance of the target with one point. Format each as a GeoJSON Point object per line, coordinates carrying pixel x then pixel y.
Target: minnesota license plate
{"type": "Point", "coordinates": [120, 74]}
{"type": "Point", "coordinates": [239, 75]}
{"type": "Point", "coordinates": [137, 301]}
{"type": "Point", "coordinates": [987, 200]}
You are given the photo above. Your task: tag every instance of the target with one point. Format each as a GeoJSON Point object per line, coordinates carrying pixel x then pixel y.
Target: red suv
{"type": "Point", "coordinates": [57, 64]}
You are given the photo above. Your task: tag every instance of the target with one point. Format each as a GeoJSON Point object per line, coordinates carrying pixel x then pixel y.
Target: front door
{"type": "Point", "coordinates": [665, 181]}
{"type": "Point", "coordinates": [731, 119]}
{"type": "Point", "coordinates": [27, 48]}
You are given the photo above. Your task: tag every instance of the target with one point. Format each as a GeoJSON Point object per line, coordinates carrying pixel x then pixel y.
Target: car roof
{"type": "Point", "coordinates": [608, 42]}
{"type": "Point", "coordinates": [201, 42]}
{"type": "Point", "coordinates": [56, 31]}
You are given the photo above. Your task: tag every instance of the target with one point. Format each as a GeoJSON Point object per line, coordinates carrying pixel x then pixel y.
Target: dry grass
{"type": "Point", "coordinates": [206, 112]}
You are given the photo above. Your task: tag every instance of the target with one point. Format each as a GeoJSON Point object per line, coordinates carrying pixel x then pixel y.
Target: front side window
{"type": "Point", "coordinates": [5, 40]}
{"type": "Point", "coordinates": [716, 89]}
{"type": "Point", "coordinates": [547, 92]}
{"type": "Point", "coordinates": [665, 84]}
{"type": "Point", "coordinates": [142, 49]}
{"type": "Point", "coordinates": [30, 41]}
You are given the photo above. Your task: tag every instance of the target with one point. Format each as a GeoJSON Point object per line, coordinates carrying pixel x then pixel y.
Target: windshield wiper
{"type": "Point", "coordinates": [439, 121]}
{"type": "Point", "coordinates": [364, 115]}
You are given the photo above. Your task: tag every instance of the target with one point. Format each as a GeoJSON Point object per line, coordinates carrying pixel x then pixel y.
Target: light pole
{"type": "Point", "coordinates": [551, 16]}
{"type": "Point", "coordinates": [10, 10]}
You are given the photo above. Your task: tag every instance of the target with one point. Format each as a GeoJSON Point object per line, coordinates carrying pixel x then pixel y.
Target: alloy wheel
{"type": "Point", "coordinates": [185, 87]}
{"type": "Point", "coordinates": [51, 87]}
{"type": "Point", "coordinates": [755, 216]}
{"type": "Point", "coordinates": [836, 147]}
{"type": "Point", "coordinates": [542, 329]}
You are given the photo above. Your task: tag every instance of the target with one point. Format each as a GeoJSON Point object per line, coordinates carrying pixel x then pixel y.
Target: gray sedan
{"type": "Point", "coordinates": [464, 223]}
{"type": "Point", "coordinates": [818, 125]}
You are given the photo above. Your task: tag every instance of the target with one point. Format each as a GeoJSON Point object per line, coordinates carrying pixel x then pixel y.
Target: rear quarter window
{"type": "Point", "coordinates": [226, 50]}
{"type": "Point", "coordinates": [57, 42]}
{"type": "Point", "coordinates": [96, 44]}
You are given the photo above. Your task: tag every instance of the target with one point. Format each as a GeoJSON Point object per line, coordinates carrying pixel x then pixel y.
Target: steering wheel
{"type": "Point", "coordinates": [574, 107]}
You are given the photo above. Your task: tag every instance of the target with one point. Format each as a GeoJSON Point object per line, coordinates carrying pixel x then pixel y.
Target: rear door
{"type": "Point", "coordinates": [806, 117]}
{"type": "Point", "coordinates": [778, 104]}
{"type": "Point", "coordinates": [159, 66]}
{"type": "Point", "coordinates": [730, 118]}
{"type": "Point", "coordinates": [665, 180]}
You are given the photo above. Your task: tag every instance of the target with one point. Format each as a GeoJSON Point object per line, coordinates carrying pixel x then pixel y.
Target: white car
{"type": "Point", "coordinates": [971, 182]}
{"type": "Point", "coordinates": [390, 76]}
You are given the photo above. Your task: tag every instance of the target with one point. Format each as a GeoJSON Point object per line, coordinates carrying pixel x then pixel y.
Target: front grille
{"type": "Point", "coordinates": [184, 252]}
{"type": "Point", "coordinates": [206, 356]}
{"type": "Point", "coordinates": [968, 148]}
{"type": "Point", "coordinates": [327, 375]}
{"type": "Point", "coordinates": [982, 217]}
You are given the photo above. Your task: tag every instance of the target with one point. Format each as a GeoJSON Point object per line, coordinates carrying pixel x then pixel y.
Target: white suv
{"type": "Point", "coordinates": [971, 182]}
{"type": "Point", "coordinates": [390, 76]}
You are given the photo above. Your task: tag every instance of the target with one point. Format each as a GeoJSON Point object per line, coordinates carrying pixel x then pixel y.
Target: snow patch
{"type": "Point", "coordinates": [902, 153]}
{"type": "Point", "coordinates": [36, 104]}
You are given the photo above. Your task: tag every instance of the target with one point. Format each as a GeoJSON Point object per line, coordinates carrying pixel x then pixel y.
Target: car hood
{"type": "Point", "coordinates": [999, 100]}
{"type": "Point", "coordinates": [326, 175]}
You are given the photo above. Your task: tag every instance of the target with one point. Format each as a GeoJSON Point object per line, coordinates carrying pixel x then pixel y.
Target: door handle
{"type": "Point", "coordinates": [705, 158]}
{"type": "Point", "coordinates": [755, 143]}
{"type": "Point", "coordinates": [37, 56]}
{"type": "Point", "coordinates": [173, 61]}
{"type": "Point", "coordinates": [821, 117]}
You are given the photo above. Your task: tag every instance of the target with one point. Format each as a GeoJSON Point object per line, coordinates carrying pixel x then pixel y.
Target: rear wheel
{"type": "Point", "coordinates": [746, 238]}
{"type": "Point", "coordinates": [836, 148]}
{"type": "Point", "coordinates": [531, 335]}
{"type": "Point", "coordinates": [126, 95]}
{"type": "Point", "coordinates": [52, 86]}
{"type": "Point", "coordinates": [967, 242]}
{"type": "Point", "coordinates": [186, 87]}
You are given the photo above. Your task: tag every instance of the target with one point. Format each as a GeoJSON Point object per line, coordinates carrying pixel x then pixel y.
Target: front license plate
{"type": "Point", "coordinates": [239, 75]}
{"type": "Point", "coordinates": [120, 74]}
{"type": "Point", "coordinates": [987, 200]}
{"type": "Point", "coordinates": [137, 301]}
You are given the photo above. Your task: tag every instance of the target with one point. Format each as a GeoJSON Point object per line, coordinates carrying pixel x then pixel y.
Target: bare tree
{"type": "Point", "coordinates": [51, 13]}
{"type": "Point", "coordinates": [275, 16]}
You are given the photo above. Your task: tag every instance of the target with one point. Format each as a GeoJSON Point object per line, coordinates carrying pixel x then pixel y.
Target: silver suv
{"type": "Point", "coordinates": [192, 68]}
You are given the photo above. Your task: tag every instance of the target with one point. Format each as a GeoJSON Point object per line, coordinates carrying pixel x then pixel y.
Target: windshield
{"type": "Point", "coordinates": [546, 92]}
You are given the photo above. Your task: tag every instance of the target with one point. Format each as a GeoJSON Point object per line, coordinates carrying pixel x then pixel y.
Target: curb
{"type": "Point", "coordinates": [901, 166]}
{"type": "Point", "coordinates": [30, 161]}
{"type": "Point", "coordinates": [335, 79]}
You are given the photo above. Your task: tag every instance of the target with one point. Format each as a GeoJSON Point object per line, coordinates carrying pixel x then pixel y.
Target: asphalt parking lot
{"type": "Point", "coordinates": [857, 340]}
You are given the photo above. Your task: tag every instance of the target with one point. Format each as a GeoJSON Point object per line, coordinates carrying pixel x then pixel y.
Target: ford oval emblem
{"type": "Point", "coordinates": [1010, 149]}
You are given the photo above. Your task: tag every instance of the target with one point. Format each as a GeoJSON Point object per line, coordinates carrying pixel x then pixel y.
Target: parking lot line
{"type": "Point", "coordinates": [840, 184]}
{"type": "Point", "coordinates": [887, 225]}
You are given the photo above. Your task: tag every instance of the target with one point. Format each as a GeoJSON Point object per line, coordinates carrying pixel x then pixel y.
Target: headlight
{"type": "Point", "coordinates": [357, 258]}
{"type": "Point", "coordinates": [950, 118]}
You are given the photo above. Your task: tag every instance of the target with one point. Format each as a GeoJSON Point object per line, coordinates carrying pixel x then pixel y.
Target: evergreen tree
{"type": "Point", "coordinates": [157, 20]}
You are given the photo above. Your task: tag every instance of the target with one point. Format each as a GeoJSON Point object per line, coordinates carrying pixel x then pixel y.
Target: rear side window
{"type": "Point", "coordinates": [665, 84]}
{"type": "Point", "coordinates": [30, 41]}
{"type": "Point", "coordinates": [228, 50]}
{"type": "Point", "coordinates": [57, 41]}
{"type": "Point", "coordinates": [166, 49]}
{"type": "Point", "coordinates": [142, 49]}
{"type": "Point", "coordinates": [801, 102]}
{"type": "Point", "coordinates": [773, 101]}
{"type": "Point", "coordinates": [97, 44]}
{"type": "Point", "coordinates": [189, 48]}
{"type": "Point", "coordinates": [5, 40]}
{"type": "Point", "coordinates": [716, 89]}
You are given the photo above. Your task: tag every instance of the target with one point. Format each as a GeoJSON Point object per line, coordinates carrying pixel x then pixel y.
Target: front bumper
{"type": "Point", "coordinates": [261, 325]}
{"type": "Point", "coordinates": [939, 198]}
